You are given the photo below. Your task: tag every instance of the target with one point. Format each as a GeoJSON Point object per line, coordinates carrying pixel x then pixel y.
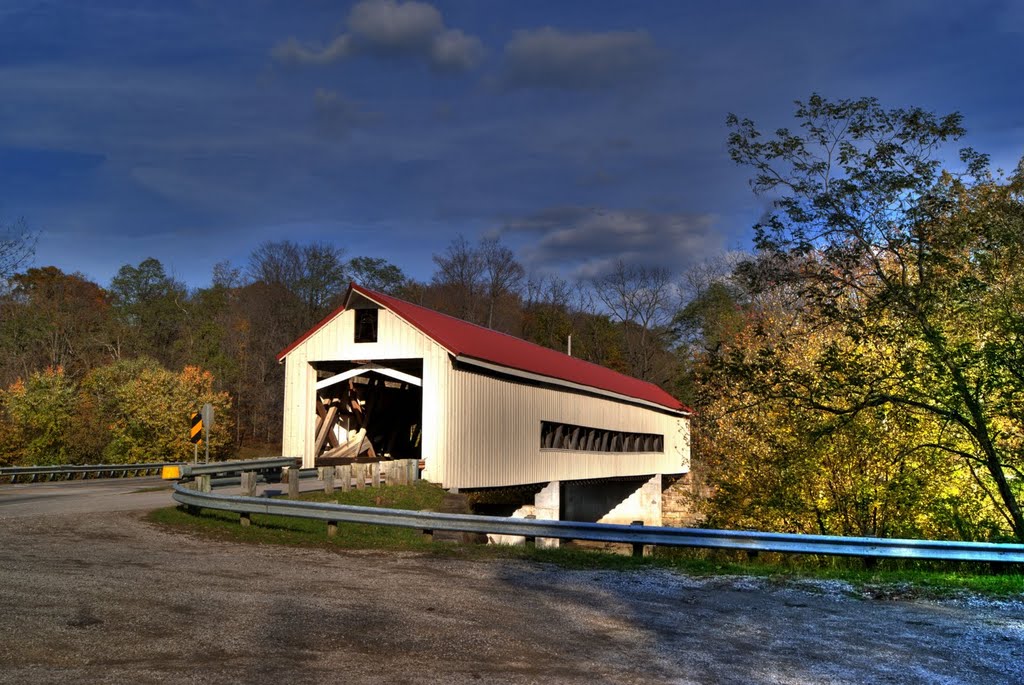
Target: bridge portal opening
{"type": "Point", "coordinates": [368, 410]}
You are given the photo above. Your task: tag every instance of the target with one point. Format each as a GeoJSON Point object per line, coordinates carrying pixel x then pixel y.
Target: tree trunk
{"type": "Point", "coordinates": [995, 469]}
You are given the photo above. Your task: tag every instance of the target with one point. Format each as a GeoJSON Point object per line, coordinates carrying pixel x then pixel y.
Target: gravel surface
{"type": "Point", "coordinates": [110, 598]}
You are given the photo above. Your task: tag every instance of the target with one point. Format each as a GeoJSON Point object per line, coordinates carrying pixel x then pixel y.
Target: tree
{"type": "Point", "coordinates": [502, 275]}
{"type": "Point", "coordinates": [53, 319]}
{"type": "Point", "coordinates": [874, 241]}
{"type": "Point", "coordinates": [314, 274]}
{"type": "Point", "coordinates": [17, 245]}
{"type": "Point", "coordinates": [135, 411]}
{"type": "Point", "coordinates": [547, 313]}
{"type": "Point", "coordinates": [35, 419]}
{"type": "Point", "coordinates": [460, 274]}
{"type": "Point", "coordinates": [772, 463]}
{"type": "Point", "coordinates": [556, 310]}
{"type": "Point", "coordinates": [259, 327]}
{"type": "Point", "coordinates": [640, 299]}
{"type": "Point", "coordinates": [377, 274]}
{"type": "Point", "coordinates": [712, 318]}
{"type": "Point", "coordinates": [152, 310]}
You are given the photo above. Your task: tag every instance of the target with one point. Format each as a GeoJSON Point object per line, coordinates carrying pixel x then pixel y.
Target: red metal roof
{"type": "Point", "coordinates": [462, 338]}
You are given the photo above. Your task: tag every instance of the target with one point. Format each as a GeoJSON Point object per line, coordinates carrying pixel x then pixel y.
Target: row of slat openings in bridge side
{"type": "Point", "coordinates": [563, 436]}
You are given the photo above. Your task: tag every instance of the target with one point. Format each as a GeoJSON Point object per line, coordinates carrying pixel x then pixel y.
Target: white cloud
{"type": "Point", "coordinates": [589, 241]}
{"type": "Point", "coordinates": [390, 28]}
{"type": "Point", "coordinates": [335, 116]}
{"type": "Point", "coordinates": [294, 52]}
{"type": "Point", "coordinates": [395, 27]}
{"type": "Point", "coordinates": [550, 58]}
{"type": "Point", "coordinates": [453, 50]}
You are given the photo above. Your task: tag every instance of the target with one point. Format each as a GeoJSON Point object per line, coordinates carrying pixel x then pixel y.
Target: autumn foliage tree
{"type": "Point", "coordinates": [917, 273]}
{"type": "Point", "coordinates": [52, 319]}
{"type": "Point", "coordinates": [36, 419]}
{"type": "Point", "coordinates": [782, 465]}
{"type": "Point", "coordinates": [131, 411]}
{"type": "Point", "coordinates": [136, 411]}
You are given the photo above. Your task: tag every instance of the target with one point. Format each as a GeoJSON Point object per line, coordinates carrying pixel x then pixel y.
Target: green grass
{"type": "Point", "coordinates": [284, 530]}
{"type": "Point", "coordinates": [886, 579]}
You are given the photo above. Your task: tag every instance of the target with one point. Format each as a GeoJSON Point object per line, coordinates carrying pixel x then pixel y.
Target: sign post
{"type": "Point", "coordinates": [207, 415]}
{"type": "Point", "coordinates": [195, 434]}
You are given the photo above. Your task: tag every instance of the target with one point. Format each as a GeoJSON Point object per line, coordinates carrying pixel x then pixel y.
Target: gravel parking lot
{"type": "Point", "coordinates": [110, 598]}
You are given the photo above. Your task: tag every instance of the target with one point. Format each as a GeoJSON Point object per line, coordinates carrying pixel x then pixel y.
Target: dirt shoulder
{"type": "Point", "coordinates": [110, 598]}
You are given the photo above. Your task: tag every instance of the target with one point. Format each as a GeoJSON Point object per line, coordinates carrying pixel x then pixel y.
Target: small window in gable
{"type": "Point", "coordinates": [366, 326]}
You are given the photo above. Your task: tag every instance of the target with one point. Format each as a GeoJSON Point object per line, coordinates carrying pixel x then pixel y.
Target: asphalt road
{"type": "Point", "coordinates": [20, 500]}
{"type": "Point", "coordinates": [83, 496]}
{"type": "Point", "coordinates": [105, 597]}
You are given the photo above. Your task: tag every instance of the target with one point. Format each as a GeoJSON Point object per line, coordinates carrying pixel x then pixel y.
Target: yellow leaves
{"type": "Point", "coordinates": [126, 412]}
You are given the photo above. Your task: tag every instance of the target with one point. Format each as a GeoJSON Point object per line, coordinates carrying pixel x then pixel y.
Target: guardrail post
{"type": "Point", "coordinates": [191, 508]}
{"type": "Point", "coordinates": [428, 535]}
{"type": "Point", "coordinates": [245, 518]}
{"type": "Point", "coordinates": [203, 483]}
{"type": "Point", "coordinates": [248, 483]}
{"type": "Point", "coordinates": [328, 476]}
{"type": "Point", "coordinates": [529, 539]}
{"type": "Point", "coordinates": [332, 528]}
{"type": "Point", "coordinates": [638, 547]}
{"type": "Point", "coordinates": [293, 483]}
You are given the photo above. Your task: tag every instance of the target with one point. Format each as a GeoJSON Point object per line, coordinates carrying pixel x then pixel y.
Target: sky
{"type": "Point", "coordinates": [579, 132]}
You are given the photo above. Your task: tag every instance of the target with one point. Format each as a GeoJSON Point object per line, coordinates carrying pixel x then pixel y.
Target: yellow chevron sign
{"type": "Point", "coordinates": [196, 434]}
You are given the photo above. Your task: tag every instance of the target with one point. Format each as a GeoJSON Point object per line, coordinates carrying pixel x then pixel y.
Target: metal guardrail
{"type": "Point", "coordinates": [187, 471]}
{"type": "Point", "coordinates": [178, 469]}
{"type": "Point", "coordinates": [70, 471]}
{"type": "Point", "coordinates": [934, 550]}
{"type": "Point", "coordinates": [226, 481]}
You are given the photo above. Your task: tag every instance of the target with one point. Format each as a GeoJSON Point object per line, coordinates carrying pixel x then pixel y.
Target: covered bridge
{"type": "Point", "coordinates": [383, 378]}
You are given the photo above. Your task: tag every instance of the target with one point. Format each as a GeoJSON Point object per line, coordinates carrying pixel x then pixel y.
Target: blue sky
{"type": "Point", "coordinates": [582, 132]}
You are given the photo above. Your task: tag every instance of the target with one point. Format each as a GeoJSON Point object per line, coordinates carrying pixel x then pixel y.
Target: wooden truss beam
{"type": "Point", "coordinates": [326, 428]}
{"type": "Point", "coordinates": [355, 445]}
{"type": "Point", "coordinates": [376, 368]}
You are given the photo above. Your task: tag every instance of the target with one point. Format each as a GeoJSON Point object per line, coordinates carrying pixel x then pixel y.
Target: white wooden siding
{"type": "Point", "coordinates": [498, 427]}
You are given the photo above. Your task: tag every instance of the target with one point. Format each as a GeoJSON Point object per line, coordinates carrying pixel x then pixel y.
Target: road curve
{"type": "Point", "coordinates": [19, 500]}
{"type": "Point", "coordinates": [106, 597]}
